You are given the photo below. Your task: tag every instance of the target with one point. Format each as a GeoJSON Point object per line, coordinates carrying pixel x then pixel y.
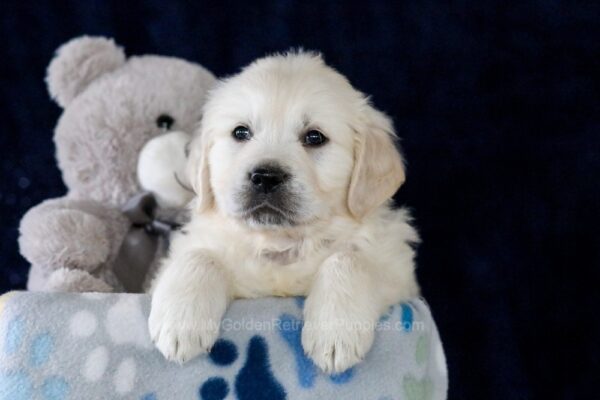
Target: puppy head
{"type": "Point", "coordinates": [289, 141]}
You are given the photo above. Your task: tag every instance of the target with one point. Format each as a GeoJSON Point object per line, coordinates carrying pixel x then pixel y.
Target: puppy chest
{"type": "Point", "coordinates": [264, 279]}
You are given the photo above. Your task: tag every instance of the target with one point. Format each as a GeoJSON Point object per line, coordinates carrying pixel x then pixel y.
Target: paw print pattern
{"type": "Point", "coordinates": [290, 329]}
{"type": "Point", "coordinates": [406, 316]}
{"type": "Point", "coordinates": [215, 388]}
{"type": "Point", "coordinates": [422, 350]}
{"type": "Point", "coordinates": [124, 324]}
{"type": "Point", "coordinates": [416, 389]}
{"type": "Point", "coordinates": [387, 315]}
{"type": "Point", "coordinates": [223, 353]}
{"type": "Point", "coordinates": [21, 384]}
{"type": "Point", "coordinates": [120, 358]}
{"type": "Point", "coordinates": [15, 385]}
{"type": "Point", "coordinates": [292, 333]}
{"type": "Point", "coordinates": [254, 381]}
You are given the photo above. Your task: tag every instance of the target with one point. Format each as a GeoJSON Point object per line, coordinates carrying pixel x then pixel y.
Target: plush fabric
{"type": "Point", "coordinates": [113, 107]}
{"type": "Point", "coordinates": [497, 106]}
{"type": "Point", "coordinates": [97, 346]}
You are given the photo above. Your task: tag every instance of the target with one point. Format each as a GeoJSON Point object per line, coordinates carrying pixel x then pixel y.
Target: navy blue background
{"type": "Point", "coordinates": [498, 108]}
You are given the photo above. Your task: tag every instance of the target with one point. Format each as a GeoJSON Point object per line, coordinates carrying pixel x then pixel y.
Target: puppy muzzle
{"type": "Point", "coordinates": [267, 198]}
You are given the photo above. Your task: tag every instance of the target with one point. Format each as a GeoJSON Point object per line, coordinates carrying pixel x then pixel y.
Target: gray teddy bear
{"type": "Point", "coordinates": [120, 117]}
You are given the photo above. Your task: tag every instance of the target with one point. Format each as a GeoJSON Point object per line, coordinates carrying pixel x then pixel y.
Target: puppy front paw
{"type": "Point", "coordinates": [336, 345]}
{"type": "Point", "coordinates": [182, 332]}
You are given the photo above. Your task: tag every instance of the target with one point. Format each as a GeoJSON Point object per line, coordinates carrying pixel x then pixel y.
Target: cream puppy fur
{"type": "Point", "coordinates": [293, 171]}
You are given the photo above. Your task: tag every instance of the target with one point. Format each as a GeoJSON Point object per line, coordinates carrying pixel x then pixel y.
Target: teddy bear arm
{"type": "Point", "coordinates": [64, 233]}
{"type": "Point", "coordinates": [65, 280]}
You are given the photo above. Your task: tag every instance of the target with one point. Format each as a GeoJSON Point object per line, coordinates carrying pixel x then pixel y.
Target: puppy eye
{"type": "Point", "coordinates": [241, 133]}
{"type": "Point", "coordinates": [314, 138]}
{"type": "Point", "coordinates": [165, 121]}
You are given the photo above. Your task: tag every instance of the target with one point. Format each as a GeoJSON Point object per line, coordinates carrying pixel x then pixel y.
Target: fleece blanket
{"type": "Point", "coordinates": [96, 346]}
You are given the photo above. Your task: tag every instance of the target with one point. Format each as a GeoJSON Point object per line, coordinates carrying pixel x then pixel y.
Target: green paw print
{"type": "Point", "coordinates": [422, 350]}
{"type": "Point", "coordinates": [417, 389]}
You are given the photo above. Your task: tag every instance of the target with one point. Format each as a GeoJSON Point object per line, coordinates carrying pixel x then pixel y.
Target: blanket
{"type": "Point", "coordinates": [58, 346]}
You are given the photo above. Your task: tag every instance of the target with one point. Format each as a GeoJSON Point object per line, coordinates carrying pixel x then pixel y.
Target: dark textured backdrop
{"type": "Point", "coordinates": [498, 108]}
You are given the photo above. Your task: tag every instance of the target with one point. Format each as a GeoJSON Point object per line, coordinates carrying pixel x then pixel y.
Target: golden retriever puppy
{"type": "Point", "coordinates": [293, 171]}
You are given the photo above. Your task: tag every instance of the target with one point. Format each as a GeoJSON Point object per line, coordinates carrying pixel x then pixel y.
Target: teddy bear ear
{"type": "Point", "coordinates": [78, 62]}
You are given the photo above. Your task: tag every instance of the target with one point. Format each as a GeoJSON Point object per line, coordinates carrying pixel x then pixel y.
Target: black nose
{"type": "Point", "coordinates": [267, 179]}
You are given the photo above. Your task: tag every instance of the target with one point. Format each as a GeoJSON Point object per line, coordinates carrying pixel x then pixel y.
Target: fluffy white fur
{"type": "Point", "coordinates": [343, 247]}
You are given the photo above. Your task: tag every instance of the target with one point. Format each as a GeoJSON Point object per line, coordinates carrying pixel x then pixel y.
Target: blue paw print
{"type": "Point", "coordinates": [214, 389]}
{"type": "Point", "coordinates": [254, 381]}
{"type": "Point", "coordinates": [300, 301]}
{"type": "Point", "coordinates": [223, 353]}
{"type": "Point", "coordinates": [387, 315]}
{"type": "Point", "coordinates": [406, 316]}
{"type": "Point", "coordinates": [18, 384]}
{"type": "Point", "coordinates": [290, 329]}
{"type": "Point", "coordinates": [291, 333]}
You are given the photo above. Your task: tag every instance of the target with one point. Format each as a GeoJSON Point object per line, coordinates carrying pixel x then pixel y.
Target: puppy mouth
{"type": "Point", "coordinates": [263, 209]}
{"type": "Point", "coordinates": [267, 213]}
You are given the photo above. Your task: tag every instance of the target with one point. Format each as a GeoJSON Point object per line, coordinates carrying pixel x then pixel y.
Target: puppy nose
{"type": "Point", "coordinates": [267, 178]}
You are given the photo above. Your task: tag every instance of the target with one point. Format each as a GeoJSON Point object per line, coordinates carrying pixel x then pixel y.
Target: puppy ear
{"type": "Point", "coordinates": [198, 172]}
{"type": "Point", "coordinates": [378, 166]}
{"type": "Point", "coordinates": [77, 63]}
